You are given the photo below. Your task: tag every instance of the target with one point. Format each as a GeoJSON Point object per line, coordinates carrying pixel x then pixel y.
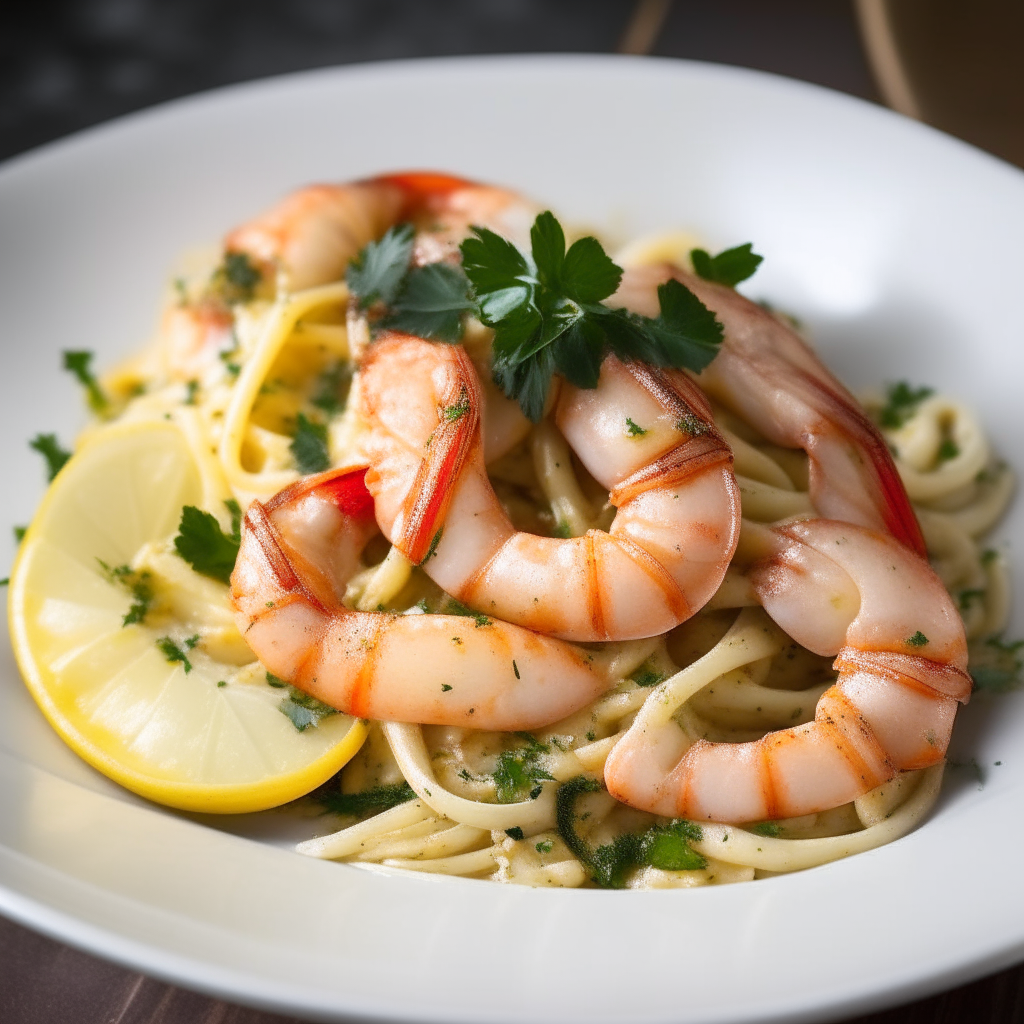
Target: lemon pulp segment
{"type": "Point", "coordinates": [172, 736]}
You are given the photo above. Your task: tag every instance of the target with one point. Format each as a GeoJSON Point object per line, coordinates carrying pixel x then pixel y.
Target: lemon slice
{"type": "Point", "coordinates": [212, 739]}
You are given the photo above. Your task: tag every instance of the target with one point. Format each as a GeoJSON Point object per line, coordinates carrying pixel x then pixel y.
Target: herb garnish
{"type": "Point", "coordinates": [728, 267]}
{"type": "Point", "coordinates": [49, 447]}
{"type": "Point", "coordinates": [426, 301]}
{"type": "Point", "coordinates": [172, 652]}
{"type": "Point", "coordinates": [236, 279]}
{"type": "Point", "coordinates": [902, 403]}
{"type": "Point", "coordinates": [309, 446]}
{"type": "Point", "coordinates": [77, 363]}
{"type": "Point", "coordinates": [304, 710]}
{"type": "Point", "coordinates": [332, 388]}
{"type": "Point", "coordinates": [647, 675]}
{"type": "Point", "coordinates": [666, 847]}
{"type": "Point", "coordinates": [546, 307]}
{"type": "Point", "coordinates": [996, 664]}
{"type": "Point", "coordinates": [19, 533]}
{"type": "Point", "coordinates": [517, 772]}
{"type": "Point", "coordinates": [516, 833]}
{"type": "Point", "coordinates": [547, 314]}
{"type": "Point", "coordinates": [768, 829]}
{"type": "Point", "coordinates": [380, 798]}
{"type": "Point", "coordinates": [376, 273]}
{"type": "Point", "coordinates": [139, 586]}
{"type": "Point", "coordinates": [917, 640]}
{"type": "Point", "coordinates": [204, 545]}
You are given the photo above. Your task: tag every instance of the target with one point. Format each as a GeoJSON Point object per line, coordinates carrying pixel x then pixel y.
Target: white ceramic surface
{"type": "Point", "coordinates": [901, 250]}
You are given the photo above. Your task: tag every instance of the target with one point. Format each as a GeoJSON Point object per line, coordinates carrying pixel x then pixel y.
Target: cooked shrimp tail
{"type": "Point", "coordinates": [902, 658]}
{"type": "Point", "coordinates": [767, 375]}
{"type": "Point", "coordinates": [644, 433]}
{"type": "Point", "coordinates": [297, 553]}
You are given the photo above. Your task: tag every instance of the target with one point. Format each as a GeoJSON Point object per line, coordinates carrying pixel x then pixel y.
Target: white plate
{"type": "Point", "coordinates": [901, 249]}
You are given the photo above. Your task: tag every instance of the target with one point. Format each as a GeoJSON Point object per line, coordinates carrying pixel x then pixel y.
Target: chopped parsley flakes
{"type": "Point", "coordinates": [995, 664]}
{"type": "Point", "coordinates": [309, 446]}
{"type": "Point", "coordinates": [138, 584]}
{"type": "Point", "coordinates": [49, 447]}
{"type": "Point", "coordinates": [303, 710]}
{"type": "Point", "coordinates": [666, 847]}
{"type": "Point", "coordinates": [380, 798]}
{"type": "Point", "coordinates": [78, 364]}
{"type": "Point", "coordinates": [902, 401]}
{"type": "Point", "coordinates": [517, 773]}
{"type": "Point", "coordinates": [175, 653]}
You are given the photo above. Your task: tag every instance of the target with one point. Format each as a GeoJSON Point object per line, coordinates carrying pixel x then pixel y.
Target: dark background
{"type": "Point", "coordinates": [67, 65]}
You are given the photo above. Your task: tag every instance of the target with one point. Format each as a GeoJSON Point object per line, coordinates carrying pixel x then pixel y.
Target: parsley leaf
{"type": "Point", "coordinates": [204, 545]}
{"type": "Point", "coordinates": [517, 772]}
{"type": "Point", "coordinates": [728, 267]}
{"type": "Point", "coordinates": [666, 847]}
{"type": "Point", "coordinates": [77, 363]}
{"type": "Point", "coordinates": [49, 447]}
{"type": "Point", "coordinates": [547, 315]}
{"type": "Point", "coordinates": [19, 533]}
{"type": "Point", "coordinates": [304, 710]}
{"type": "Point", "coordinates": [139, 586]}
{"type": "Point", "coordinates": [380, 798]}
{"type": "Point", "coordinates": [431, 303]}
{"type": "Point", "coordinates": [376, 273]}
{"type": "Point", "coordinates": [902, 403]}
{"type": "Point", "coordinates": [309, 446]}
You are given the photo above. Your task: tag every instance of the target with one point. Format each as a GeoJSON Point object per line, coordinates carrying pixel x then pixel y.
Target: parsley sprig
{"type": "Point", "coordinates": [429, 301]}
{"type": "Point", "coordinates": [547, 313]}
{"type": "Point", "coordinates": [546, 306]}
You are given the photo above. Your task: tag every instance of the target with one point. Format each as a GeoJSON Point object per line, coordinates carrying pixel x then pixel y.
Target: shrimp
{"type": "Point", "coordinates": [901, 653]}
{"type": "Point", "coordinates": [309, 238]}
{"type": "Point", "coordinates": [766, 374]}
{"type": "Point", "coordinates": [669, 474]}
{"type": "Point", "coordinates": [298, 551]}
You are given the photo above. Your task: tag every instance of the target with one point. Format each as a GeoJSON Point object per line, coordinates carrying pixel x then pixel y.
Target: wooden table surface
{"type": "Point", "coordinates": [64, 66]}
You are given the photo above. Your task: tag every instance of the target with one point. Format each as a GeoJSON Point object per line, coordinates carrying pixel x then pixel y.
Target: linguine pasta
{"type": "Point", "coordinates": [487, 805]}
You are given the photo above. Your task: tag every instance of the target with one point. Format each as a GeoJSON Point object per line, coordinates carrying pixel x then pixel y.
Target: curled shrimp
{"type": "Point", "coordinates": [298, 551]}
{"type": "Point", "coordinates": [901, 656]}
{"type": "Point", "coordinates": [644, 433]}
{"type": "Point", "coordinates": [309, 238]}
{"type": "Point", "coordinates": [766, 374]}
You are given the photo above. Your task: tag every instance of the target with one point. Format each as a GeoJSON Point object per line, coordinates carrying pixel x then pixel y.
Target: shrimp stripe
{"type": "Point", "coordinates": [426, 505]}
{"type": "Point", "coordinates": [927, 676]}
{"type": "Point", "coordinates": [690, 459]}
{"type": "Point", "coordinates": [895, 508]}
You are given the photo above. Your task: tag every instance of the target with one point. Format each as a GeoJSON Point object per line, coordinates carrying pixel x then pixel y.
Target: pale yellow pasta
{"type": "Point", "coordinates": [720, 676]}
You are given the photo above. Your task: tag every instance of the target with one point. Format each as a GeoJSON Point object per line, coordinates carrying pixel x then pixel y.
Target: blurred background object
{"type": "Point", "coordinates": [956, 65]}
{"type": "Point", "coordinates": [68, 64]}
